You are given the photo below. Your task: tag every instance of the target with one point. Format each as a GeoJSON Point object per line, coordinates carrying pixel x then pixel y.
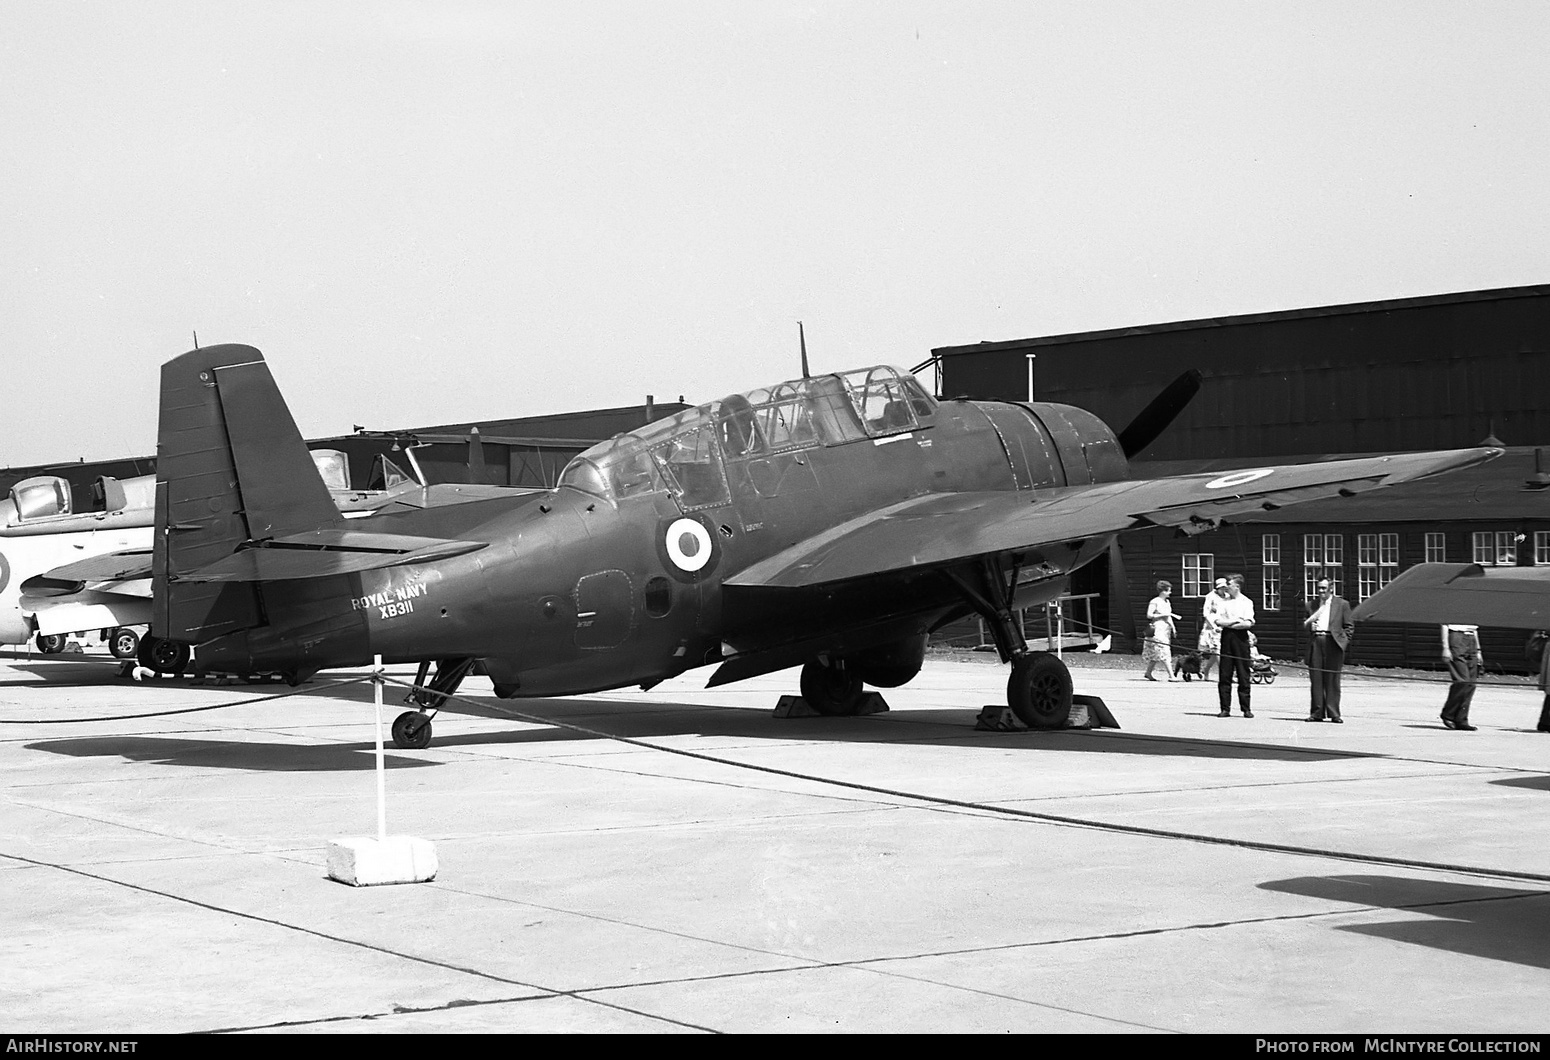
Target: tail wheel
{"type": "Point", "coordinates": [51, 645]}
{"type": "Point", "coordinates": [412, 730]}
{"type": "Point", "coordinates": [830, 689]}
{"type": "Point", "coordinates": [164, 656]}
{"type": "Point", "coordinates": [1039, 691]}
{"type": "Point", "coordinates": [123, 643]}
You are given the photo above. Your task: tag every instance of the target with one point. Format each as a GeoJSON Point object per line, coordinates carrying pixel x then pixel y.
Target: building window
{"type": "Point", "coordinates": [1377, 558]}
{"type": "Point", "coordinates": [1436, 549]}
{"type": "Point", "coordinates": [1323, 556]}
{"type": "Point", "coordinates": [1198, 573]}
{"type": "Point", "coordinates": [1270, 561]}
{"type": "Point", "coordinates": [1496, 548]}
{"type": "Point", "coordinates": [1541, 547]}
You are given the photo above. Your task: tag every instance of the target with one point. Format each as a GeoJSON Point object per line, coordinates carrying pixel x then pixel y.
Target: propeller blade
{"type": "Point", "coordinates": [1154, 419]}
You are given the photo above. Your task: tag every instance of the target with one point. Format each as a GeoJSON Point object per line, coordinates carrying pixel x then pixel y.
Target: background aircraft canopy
{"type": "Point", "coordinates": [684, 453]}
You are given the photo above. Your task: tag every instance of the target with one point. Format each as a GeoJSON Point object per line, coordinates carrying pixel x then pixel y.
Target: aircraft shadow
{"type": "Point", "coordinates": [935, 726]}
{"type": "Point", "coordinates": [646, 721]}
{"type": "Point", "coordinates": [1531, 783]}
{"type": "Point", "coordinates": [1501, 923]}
{"type": "Point", "coordinates": [234, 754]}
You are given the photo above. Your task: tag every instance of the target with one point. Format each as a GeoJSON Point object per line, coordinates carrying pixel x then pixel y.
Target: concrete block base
{"type": "Point", "coordinates": [368, 861]}
{"type": "Point", "coordinates": [797, 707]}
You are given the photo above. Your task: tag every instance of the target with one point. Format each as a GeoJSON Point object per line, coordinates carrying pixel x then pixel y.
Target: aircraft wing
{"type": "Point", "coordinates": [110, 567]}
{"type": "Point", "coordinates": [91, 609]}
{"type": "Point", "coordinates": [1510, 597]}
{"type": "Point", "coordinates": [939, 529]}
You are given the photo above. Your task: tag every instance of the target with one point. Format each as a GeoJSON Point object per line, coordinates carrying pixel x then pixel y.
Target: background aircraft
{"type": "Point", "coordinates": [1447, 593]}
{"type": "Point", "coordinates": [830, 522]}
{"type": "Point", "coordinates": [43, 525]}
{"type": "Point", "coordinates": [95, 553]}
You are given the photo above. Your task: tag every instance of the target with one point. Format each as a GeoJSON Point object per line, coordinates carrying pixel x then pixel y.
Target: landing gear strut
{"type": "Point", "coordinates": [1039, 689]}
{"type": "Point", "coordinates": [412, 729]}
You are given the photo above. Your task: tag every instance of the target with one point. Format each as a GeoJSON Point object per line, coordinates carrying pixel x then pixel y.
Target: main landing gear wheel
{"type": "Point", "coordinates": [123, 643]}
{"type": "Point", "coordinates": [831, 690]}
{"type": "Point", "coordinates": [1039, 691]}
{"type": "Point", "coordinates": [167, 657]}
{"type": "Point", "coordinates": [52, 645]}
{"type": "Point", "coordinates": [412, 730]}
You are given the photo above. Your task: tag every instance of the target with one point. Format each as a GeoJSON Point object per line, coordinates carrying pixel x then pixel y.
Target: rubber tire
{"type": "Point", "coordinates": [167, 657]}
{"type": "Point", "coordinates": [1039, 691]}
{"type": "Point", "coordinates": [51, 645]}
{"type": "Point", "coordinates": [831, 690]}
{"type": "Point", "coordinates": [123, 642]}
{"type": "Point", "coordinates": [417, 740]}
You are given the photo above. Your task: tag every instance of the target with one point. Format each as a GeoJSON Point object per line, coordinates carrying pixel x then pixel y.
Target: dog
{"type": "Point", "coordinates": [1189, 666]}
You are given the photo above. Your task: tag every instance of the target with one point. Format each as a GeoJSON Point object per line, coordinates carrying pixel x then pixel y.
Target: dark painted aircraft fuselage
{"type": "Point", "coordinates": [580, 591]}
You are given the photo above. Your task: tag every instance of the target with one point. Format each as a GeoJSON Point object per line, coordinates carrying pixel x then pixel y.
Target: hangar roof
{"type": "Point", "coordinates": [1350, 308]}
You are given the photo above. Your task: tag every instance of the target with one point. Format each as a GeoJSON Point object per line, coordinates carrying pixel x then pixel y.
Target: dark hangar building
{"type": "Point", "coordinates": [1441, 372]}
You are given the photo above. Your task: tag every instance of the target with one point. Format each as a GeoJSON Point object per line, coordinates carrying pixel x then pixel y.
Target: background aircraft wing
{"type": "Point", "coordinates": [1510, 597]}
{"type": "Point", "coordinates": [940, 529]}
{"type": "Point", "coordinates": [111, 567]}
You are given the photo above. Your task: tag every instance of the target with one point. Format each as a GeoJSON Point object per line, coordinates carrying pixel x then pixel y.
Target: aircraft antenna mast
{"type": "Point", "coordinates": [802, 338]}
{"type": "Point", "coordinates": [196, 340]}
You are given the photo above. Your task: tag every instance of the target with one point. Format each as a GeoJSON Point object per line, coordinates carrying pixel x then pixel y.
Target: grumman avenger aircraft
{"type": "Point", "coordinates": [830, 522]}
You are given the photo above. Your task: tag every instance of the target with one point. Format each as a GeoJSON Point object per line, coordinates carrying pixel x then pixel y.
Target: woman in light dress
{"type": "Point", "coordinates": [1210, 645]}
{"type": "Point", "coordinates": [1159, 643]}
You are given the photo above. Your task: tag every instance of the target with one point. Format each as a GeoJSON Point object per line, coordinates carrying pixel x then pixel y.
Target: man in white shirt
{"type": "Point", "coordinates": [1461, 651]}
{"type": "Point", "coordinates": [1234, 616]}
{"type": "Point", "coordinates": [1329, 620]}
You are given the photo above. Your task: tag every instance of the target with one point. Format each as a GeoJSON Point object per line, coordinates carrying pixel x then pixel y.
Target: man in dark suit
{"type": "Point", "coordinates": [1329, 621]}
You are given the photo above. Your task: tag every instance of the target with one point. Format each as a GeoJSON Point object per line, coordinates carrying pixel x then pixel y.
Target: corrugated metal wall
{"type": "Point", "coordinates": [1419, 375]}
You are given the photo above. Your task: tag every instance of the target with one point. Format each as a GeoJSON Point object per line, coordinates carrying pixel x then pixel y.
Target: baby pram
{"type": "Point", "coordinates": [1261, 670]}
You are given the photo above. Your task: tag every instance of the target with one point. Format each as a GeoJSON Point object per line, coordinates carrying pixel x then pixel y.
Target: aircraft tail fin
{"type": "Point", "coordinates": [231, 470]}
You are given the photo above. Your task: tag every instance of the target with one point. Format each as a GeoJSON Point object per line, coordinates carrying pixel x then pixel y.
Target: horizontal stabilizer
{"type": "Point", "coordinates": [323, 553]}
{"type": "Point", "coordinates": [1463, 593]}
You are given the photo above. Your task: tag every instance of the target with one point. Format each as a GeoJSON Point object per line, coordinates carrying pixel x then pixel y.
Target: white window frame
{"type": "Point", "coordinates": [1377, 559]}
{"type": "Point", "coordinates": [1323, 556]}
{"type": "Point", "coordinates": [1436, 548]}
{"type": "Point", "coordinates": [1495, 548]}
{"type": "Point", "coordinates": [1541, 547]}
{"type": "Point", "coordinates": [1270, 571]}
{"type": "Point", "coordinates": [1197, 572]}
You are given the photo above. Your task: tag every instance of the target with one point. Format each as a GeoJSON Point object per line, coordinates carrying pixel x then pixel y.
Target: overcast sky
{"type": "Point", "coordinates": [425, 212]}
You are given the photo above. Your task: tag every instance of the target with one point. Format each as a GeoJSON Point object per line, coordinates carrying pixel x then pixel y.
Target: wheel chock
{"type": "Point", "coordinates": [797, 707]}
{"type": "Point", "coordinates": [1098, 716]}
{"type": "Point", "coordinates": [1087, 712]}
{"type": "Point", "coordinates": [794, 707]}
{"type": "Point", "coordinates": [367, 861]}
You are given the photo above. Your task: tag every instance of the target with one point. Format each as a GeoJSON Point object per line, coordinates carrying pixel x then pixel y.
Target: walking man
{"type": "Point", "coordinates": [1461, 651]}
{"type": "Point", "coordinates": [1234, 616]}
{"type": "Point", "coordinates": [1329, 620]}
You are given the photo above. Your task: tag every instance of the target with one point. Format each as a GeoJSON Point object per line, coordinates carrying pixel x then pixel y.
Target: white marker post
{"type": "Point", "coordinates": [363, 862]}
{"type": "Point", "coordinates": [376, 688]}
